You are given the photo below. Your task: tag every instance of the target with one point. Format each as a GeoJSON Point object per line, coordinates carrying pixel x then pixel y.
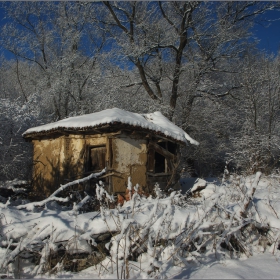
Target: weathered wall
{"type": "Point", "coordinates": [63, 159]}
{"type": "Point", "coordinates": [48, 154]}
{"type": "Point", "coordinates": [129, 159]}
{"type": "Point", "coordinates": [60, 160]}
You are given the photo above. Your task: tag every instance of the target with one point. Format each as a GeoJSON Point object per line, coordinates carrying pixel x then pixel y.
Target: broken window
{"type": "Point", "coordinates": [97, 158]}
{"type": "Point", "coordinates": [161, 157]}
{"type": "Point", "coordinates": [159, 163]}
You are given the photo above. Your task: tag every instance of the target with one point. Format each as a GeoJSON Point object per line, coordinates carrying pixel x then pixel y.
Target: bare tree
{"type": "Point", "coordinates": [191, 60]}
{"type": "Point", "coordinates": [164, 40]}
{"type": "Point", "coordinates": [255, 144]}
{"type": "Point", "coordinates": [61, 42]}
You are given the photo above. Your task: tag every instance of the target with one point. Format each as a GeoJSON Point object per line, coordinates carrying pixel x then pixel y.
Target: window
{"type": "Point", "coordinates": [159, 163]}
{"type": "Point", "coordinates": [97, 158]}
{"type": "Point", "coordinates": [161, 156]}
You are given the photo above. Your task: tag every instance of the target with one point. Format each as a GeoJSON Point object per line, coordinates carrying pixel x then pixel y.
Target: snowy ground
{"type": "Point", "coordinates": [260, 266]}
{"type": "Point", "coordinates": [230, 230]}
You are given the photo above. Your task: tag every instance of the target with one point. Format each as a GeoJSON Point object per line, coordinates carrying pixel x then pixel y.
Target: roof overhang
{"type": "Point", "coordinates": [99, 129]}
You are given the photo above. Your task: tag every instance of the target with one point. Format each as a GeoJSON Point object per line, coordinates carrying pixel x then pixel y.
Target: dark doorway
{"type": "Point", "coordinates": [97, 158]}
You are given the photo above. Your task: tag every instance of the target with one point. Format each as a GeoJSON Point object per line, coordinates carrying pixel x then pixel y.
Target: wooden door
{"type": "Point", "coordinates": [97, 158]}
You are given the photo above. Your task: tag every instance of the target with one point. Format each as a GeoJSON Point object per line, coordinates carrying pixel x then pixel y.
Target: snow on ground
{"type": "Point", "coordinates": [260, 266]}
{"type": "Point", "coordinates": [153, 121]}
{"type": "Point", "coordinates": [175, 236]}
{"type": "Point", "coordinates": [187, 183]}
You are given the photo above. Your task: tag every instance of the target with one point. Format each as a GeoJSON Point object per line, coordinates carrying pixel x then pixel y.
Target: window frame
{"type": "Point", "coordinates": [89, 157]}
{"type": "Point", "coordinates": [169, 157]}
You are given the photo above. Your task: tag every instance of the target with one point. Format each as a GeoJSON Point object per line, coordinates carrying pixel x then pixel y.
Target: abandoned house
{"type": "Point", "coordinates": [142, 146]}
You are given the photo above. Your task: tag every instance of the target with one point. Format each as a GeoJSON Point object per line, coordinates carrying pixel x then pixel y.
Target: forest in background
{"type": "Point", "coordinates": [196, 62]}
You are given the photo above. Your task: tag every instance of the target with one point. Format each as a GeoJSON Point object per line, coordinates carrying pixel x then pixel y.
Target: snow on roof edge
{"type": "Point", "coordinates": [153, 121]}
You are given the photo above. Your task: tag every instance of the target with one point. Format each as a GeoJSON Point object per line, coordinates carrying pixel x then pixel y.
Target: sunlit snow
{"type": "Point", "coordinates": [153, 121]}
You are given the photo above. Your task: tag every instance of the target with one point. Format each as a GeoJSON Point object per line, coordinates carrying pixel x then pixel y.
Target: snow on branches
{"type": "Point", "coordinates": [147, 235]}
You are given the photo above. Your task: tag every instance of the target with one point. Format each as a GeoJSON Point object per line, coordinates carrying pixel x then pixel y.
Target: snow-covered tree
{"type": "Point", "coordinates": [62, 43]}
{"type": "Point", "coordinates": [256, 144]}
{"type": "Point", "coordinates": [164, 40]}
{"type": "Point", "coordinates": [15, 153]}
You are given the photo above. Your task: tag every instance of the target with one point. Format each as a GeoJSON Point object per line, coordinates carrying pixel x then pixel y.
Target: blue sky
{"type": "Point", "coordinates": [269, 37]}
{"type": "Point", "coordinates": [267, 33]}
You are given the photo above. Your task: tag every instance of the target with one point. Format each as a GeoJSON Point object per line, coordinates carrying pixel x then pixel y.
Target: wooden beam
{"type": "Point", "coordinates": [111, 174]}
{"type": "Point", "coordinates": [162, 151]}
{"type": "Point", "coordinates": [151, 160]}
{"type": "Point", "coordinates": [158, 174]}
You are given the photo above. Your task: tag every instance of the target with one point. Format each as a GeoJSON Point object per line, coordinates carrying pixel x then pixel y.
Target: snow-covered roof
{"type": "Point", "coordinates": [154, 122]}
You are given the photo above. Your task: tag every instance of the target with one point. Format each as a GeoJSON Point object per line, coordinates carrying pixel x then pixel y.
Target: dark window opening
{"type": "Point", "coordinates": [162, 144]}
{"type": "Point", "coordinates": [172, 147]}
{"type": "Point", "coordinates": [169, 146]}
{"type": "Point", "coordinates": [97, 158]}
{"type": "Point", "coordinates": [161, 156]}
{"type": "Point", "coordinates": [159, 163]}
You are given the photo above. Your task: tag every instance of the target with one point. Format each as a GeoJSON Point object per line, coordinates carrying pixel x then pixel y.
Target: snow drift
{"type": "Point", "coordinates": [146, 237]}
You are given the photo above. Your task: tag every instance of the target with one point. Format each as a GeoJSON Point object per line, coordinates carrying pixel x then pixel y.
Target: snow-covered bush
{"type": "Point", "coordinates": [255, 152]}
{"type": "Point", "coordinates": [147, 236]}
